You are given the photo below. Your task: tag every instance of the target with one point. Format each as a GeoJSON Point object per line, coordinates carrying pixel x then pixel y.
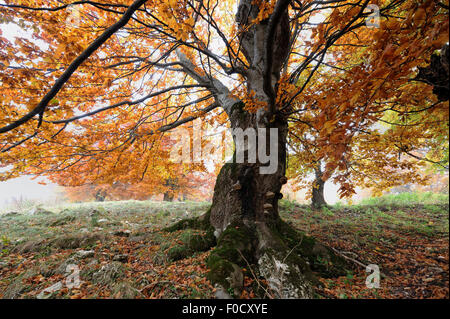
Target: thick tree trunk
{"type": "Point", "coordinates": [318, 199]}
{"type": "Point", "coordinates": [241, 191]}
{"type": "Point", "coordinates": [250, 233]}
{"type": "Point", "coordinates": [244, 213]}
{"type": "Point", "coordinates": [245, 217]}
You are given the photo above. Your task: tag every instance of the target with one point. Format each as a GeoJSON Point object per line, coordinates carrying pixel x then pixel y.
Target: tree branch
{"type": "Point", "coordinates": [40, 108]}
{"type": "Point", "coordinates": [275, 18]}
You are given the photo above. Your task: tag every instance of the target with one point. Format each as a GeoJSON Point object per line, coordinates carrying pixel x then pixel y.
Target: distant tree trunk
{"type": "Point", "coordinates": [100, 196]}
{"type": "Point", "coordinates": [172, 185]}
{"type": "Point", "coordinates": [168, 197]}
{"type": "Point", "coordinates": [318, 198]}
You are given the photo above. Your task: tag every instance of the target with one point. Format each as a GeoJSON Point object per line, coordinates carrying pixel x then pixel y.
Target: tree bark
{"type": "Point", "coordinates": [318, 198]}
{"type": "Point", "coordinates": [168, 197]}
{"type": "Point", "coordinates": [248, 228]}
{"type": "Point", "coordinates": [172, 185]}
{"type": "Point", "coordinates": [241, 191]}
{"type": "Point", "coordinates": [437, 73]}
{"type": "Point", "coordinates": [244, 213]}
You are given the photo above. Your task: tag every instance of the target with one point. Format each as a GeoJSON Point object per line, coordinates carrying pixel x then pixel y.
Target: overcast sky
{"type": "Point", "coordinates": [27, 188]}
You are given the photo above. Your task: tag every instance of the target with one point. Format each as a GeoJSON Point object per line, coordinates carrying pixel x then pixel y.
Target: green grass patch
{"type": "Point", "coordinates": [425, 198]}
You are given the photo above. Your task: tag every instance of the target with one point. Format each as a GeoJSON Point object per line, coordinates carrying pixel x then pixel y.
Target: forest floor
{"type": "Point", "coordinates": [119, 250]}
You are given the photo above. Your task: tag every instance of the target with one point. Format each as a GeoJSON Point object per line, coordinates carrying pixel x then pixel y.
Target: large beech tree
{"type": "Point", "coordinates": [97, 83]}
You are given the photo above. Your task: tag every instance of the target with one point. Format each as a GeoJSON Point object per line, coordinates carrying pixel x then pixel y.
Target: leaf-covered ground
{"type": "Point", "coordinates": [121, 251]}
{"type": "Point", "coordinates": [409, 244]}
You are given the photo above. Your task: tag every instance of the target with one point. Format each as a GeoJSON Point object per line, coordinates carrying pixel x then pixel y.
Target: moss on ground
{"type": "Point", "coordinates": [192, 243]}
{"type": "Point", "coordinates": [30, 261]}
{"type": "Point", "coordinates": [201, 222]}
{"type": "Point", "coordinates": [235, 248]}
{"type": "Point", "coordinates": [76, 241]}
{"type": "Point", "coordinates": [234, 251]}
{"type": "Point", "coordinates": [321, 259]}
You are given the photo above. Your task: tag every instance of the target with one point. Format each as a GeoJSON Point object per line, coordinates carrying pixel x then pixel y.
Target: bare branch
{"type": "Point", "coordinates": [280, 9]}
{"type": "Point", "coordinates": [221, 93]}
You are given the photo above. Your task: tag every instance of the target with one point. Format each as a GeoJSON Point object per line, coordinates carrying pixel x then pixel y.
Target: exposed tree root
{"type": "Point", "coordinates": [195, 243]}
{"type": "Point", "coordinates": [285, 258]}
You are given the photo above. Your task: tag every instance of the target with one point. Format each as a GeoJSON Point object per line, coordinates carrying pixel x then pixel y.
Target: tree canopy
{"type": "Point", "coordinates": [89, 83]}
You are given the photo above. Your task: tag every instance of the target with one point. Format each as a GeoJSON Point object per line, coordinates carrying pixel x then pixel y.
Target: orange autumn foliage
{"type": "Point", "coordinates": [168, 64]}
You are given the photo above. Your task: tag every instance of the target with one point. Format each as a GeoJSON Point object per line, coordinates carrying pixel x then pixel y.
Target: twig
{"type": "Point", "coordinates": [254, 276]}
{"type": "Point", "coordinates": [355, 261]}
{"type": "Point", "coordinates": [293, 249]}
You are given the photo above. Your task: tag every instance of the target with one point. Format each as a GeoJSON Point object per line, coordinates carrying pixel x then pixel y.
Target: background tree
{"type": "Point", "coordinates": [102, 92]}
{"type": "Point", "coordinates": [374, 160]}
